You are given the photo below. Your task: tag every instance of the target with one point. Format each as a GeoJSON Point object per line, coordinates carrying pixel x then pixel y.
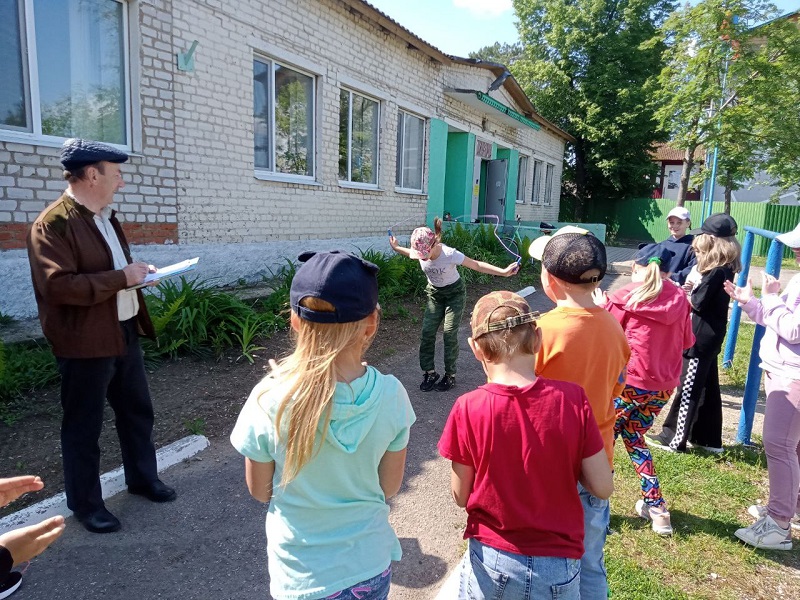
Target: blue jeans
{"type": "Point", "coordinates": [596, 519]}
{"type": "Point", "coordinates": [376, 588]}
{"type": "Point", "coordinates": [488, 573]}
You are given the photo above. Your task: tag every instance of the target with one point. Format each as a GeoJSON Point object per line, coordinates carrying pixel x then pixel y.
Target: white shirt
{"type": "Point", "coordinates": [442, 271]}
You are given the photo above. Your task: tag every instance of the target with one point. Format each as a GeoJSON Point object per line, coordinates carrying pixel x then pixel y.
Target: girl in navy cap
{"type": "Point", "coordinates": [324, 439]}
{"type": "Point", "coordinates": [657, 323]}
{"type": "Point", "coordinates": [695, 416]}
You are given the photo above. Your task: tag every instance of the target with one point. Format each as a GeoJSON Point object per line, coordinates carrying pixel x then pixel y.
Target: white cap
{"type": "Point", "coordinates": [790, 238]}
{"type": "Point", "coordinates": [680, 212]}
{"type": "Point", "coordinates": [536, 249]}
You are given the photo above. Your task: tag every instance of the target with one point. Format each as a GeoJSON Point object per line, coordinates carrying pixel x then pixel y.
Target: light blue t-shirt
{"type": "Point", "coordinates": [328, 529]}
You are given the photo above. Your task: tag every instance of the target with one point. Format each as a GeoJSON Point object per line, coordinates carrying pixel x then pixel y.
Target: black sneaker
{"type": "Point", "coordinates": [447, 382]}
{"type": "Point", "coordinates": [662, 441]}
{"type": "Point", "coordinates": [428, 381]}
{"type": "Point", "coordinates": [10, 585]}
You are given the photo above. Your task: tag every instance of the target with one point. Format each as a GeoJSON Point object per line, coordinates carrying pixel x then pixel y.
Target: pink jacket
{"type": "Point", "coordinates": [658, 332]}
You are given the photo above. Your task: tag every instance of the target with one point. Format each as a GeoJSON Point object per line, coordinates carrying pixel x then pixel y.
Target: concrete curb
{"type": "Point", "coordinates": [449, 589]}
{"type": "Point", "coordinates": [112, 483]}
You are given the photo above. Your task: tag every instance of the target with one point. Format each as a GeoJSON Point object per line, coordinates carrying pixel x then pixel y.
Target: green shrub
{"type": "Point", "coordinates": [24, 368]}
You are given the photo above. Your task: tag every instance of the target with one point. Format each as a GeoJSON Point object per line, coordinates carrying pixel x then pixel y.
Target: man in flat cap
{"type": "Point", "coordinates": [81, 269]}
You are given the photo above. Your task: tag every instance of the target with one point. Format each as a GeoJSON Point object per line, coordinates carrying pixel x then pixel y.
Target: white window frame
{"type": "Point", "coordinates": [30, 67]}
{"type": "Point", "coordinates": [423, 150]}
{"type": "Point", "coordinates": [349, 182]}
{"type": "Point", "coordinates": [536, 187]}
{"type": "Point", "coordinates": [272, 174]}
{"type": "Point", "coordinates": [522, 179]}
{"type": "Point", "coordinates": [548, 184]}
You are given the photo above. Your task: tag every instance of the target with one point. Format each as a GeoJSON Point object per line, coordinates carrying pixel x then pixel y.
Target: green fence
{"type": "Point", "coordinates": [644, 220]}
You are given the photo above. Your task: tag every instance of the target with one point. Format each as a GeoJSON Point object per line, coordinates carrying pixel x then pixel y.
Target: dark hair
{"type": "Point", "coordinates": [79, 173]}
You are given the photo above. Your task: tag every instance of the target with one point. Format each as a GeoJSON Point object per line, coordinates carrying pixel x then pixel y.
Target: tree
{"type": "Point", "coordinates": [587, 66]}
{"type": "Point", "coordinates": [504, 54]}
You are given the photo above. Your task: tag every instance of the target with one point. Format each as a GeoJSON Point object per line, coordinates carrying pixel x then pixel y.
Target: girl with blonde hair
{"type": "Point", "coordinates": [695, 416]}
{"type": "Point", "coordinates": [324, 439]}
{"type": "Point", "coordinates": [657, 324]}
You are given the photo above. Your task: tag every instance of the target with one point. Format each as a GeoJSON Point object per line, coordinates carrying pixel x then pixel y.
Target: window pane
{"type": "Point", "coordinates": [537, 182]}
{"type": "Point", "coordinates": [13, 106]}
{"type": "Point", "coordinates": [82, 68]}
{"type": "Point", "coordinates": [364, 141]}
{"type": "Point", "coordinates": [413, 152]}
{"type": "Point", "coordinates": [344, 132]}
{"type": "Point", "coordinates": [294, 122]}
{"type": "Point", "coordinates": [548, 185]}
{"type": "Point", "coordinates": [522, 179]}
{"type": "Point", "coordinates": [262, 115]}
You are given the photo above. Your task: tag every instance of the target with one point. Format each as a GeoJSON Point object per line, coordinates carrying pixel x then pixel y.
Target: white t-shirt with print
{"type": "Point", "coordinates": [442, 271]}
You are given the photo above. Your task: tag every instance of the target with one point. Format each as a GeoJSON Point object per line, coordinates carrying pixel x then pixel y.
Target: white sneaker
{"type": "Point", "coordinates": [660, 519]}
{"type": "Point", "coordinates": [766, 534]}
{"type": "Point", "coordinates": [712, 449]}
{"type": "Point", "coordinates": [759, 511]}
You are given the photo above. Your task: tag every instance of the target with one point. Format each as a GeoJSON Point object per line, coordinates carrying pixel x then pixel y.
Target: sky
{"type": "Point", "coordinates": [462, 26]}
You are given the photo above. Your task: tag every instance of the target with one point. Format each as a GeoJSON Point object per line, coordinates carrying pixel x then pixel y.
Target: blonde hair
{"type": "Point", "coordinates": [305, 382]}
{"type": "Point", "coordinates": [499, 345]}
{"type": "Point", "coordinates": [651, 286]}
{"type": "Point", "coordinates": [713, 251]}
{"type": "Point", "coordinates": [437, 229]}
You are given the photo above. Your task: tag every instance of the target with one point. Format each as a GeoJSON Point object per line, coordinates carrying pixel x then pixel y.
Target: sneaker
{"type": "Point", "coordinates": [659, 441]}
{"type": "Point", "coordinates": [712, 449]}
{"type": "Point", "coordinates": [759, 511]}
{"type": "Point", "coordinates": [11, 584]}
{"type": "Point", "coordinates": [766, 534]}
{"type": "Point", "coordinates": [447, 382]}
{"type": "Point", "coordinates": [428, 381]}
{"type": "Point", "coordinates": [660, 518]}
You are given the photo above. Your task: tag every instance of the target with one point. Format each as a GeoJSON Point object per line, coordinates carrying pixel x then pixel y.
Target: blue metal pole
{"type": "Point", "coordinates": [736, 313]}
{"type": "Point", "coordinates": [753, 382]}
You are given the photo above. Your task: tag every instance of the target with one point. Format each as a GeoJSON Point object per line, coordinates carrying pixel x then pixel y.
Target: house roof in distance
{"type": "Point", "coordinates": [664, 152]}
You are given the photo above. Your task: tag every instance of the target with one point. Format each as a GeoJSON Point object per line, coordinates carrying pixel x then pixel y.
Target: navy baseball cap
{"type": "Point", "coordinates": [77, 153]}
{"type": "Point", "coordinates": [654, 253]}
{"type": "Point", "coordinates": [718, 225]}
{"type": "Point", "coordinates": [347, 282]}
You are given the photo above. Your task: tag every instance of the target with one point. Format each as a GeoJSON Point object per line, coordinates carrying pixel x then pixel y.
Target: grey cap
{"type": "Point", "coordinates": [77, 153]}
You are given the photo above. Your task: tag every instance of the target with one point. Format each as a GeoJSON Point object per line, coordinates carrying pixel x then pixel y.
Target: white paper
{"type": "Point", "coordinates": [170, 271]}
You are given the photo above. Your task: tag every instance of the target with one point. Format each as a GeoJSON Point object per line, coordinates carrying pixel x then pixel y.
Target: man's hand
{"type": "Point", "coordinates": [13, 487]}
{"type": "Point", "coordinates": [135, 273]}
{"type": "Point", "coordinates": [27, 542]}
{"type": "Point", "coordinates": [770, 285]}
{"type": "Point", "coordinates": [741, 294]}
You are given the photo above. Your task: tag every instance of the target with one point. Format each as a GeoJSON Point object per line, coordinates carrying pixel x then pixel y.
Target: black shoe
{"type": "Point", "coordinates": [155, 491]}
{"type": "Point", "coordinates": [99, 521]}
{"type": "Point", "coordinates": [662, 441]}
{"type": "Point", "coordinates": [10, 585]}
{"type": "Point", "coordinates": [447, 383]}
{"type": "Point", "coordinates": [428, 381]}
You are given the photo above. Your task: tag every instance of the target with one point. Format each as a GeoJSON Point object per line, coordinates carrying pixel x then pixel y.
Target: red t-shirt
{"type": "Point", "coordinates": [526, 446]}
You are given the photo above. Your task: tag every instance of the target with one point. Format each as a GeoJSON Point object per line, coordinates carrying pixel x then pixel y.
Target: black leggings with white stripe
{"type": "Point", "coordinates": [696, 411]}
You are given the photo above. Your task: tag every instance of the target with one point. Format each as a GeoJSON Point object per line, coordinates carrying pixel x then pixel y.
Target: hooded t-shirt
{"type": "Point", "coordinates": [658, 332]}
{"type": "Point", "coordinates": [684, 258]}
{"type": "Point", "coordinates": [328, 529]}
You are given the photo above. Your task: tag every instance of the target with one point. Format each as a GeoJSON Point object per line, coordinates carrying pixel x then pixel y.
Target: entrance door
{"type": "Point", "coordinates": [496, 174]}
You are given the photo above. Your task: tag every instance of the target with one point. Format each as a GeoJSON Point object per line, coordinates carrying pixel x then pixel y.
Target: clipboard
{"type": "Point", "coordinates": [171, 271]}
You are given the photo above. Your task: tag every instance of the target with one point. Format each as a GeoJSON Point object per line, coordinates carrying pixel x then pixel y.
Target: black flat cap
{"type": "Point", "coordinates": [76, 153]}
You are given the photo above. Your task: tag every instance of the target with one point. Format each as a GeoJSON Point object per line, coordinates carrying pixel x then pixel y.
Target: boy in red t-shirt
{"type": "Point", "coordinates": [519, 445]}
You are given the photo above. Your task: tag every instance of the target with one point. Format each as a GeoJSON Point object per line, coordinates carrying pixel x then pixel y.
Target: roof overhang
{"type": "Point", "coordinates": [488, 105]}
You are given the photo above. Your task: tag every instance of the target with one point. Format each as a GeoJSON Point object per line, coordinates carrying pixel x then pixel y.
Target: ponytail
{"type": "Point", "coordinates": [437, 229]}
{"type": "Point", "coordinates": [650, 289]}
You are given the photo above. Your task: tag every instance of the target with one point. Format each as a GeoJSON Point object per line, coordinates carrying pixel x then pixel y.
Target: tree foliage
{"type": "Point", "coordinates": [504, 54]}
{"type": "Point", "coordinates": [588, 66]}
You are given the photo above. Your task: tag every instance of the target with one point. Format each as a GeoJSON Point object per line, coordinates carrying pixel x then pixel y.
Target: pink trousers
{"type": "Point", "coordinates": [782, 445]}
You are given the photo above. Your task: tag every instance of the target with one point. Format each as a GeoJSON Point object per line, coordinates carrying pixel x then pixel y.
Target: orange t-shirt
{"type": "Point", "coordinates": [586, 346]}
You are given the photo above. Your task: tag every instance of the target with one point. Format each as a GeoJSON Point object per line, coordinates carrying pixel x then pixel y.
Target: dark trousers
{"type": "Point", "coordinates": [85, 385]}
{"type": "Point", "coordinates": [444, 305]}
{"type": "Point", "coordinates": [696, 411]}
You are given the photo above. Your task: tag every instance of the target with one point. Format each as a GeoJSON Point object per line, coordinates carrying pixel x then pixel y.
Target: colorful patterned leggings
{"type": "Point", "coordinates": [636, 410]}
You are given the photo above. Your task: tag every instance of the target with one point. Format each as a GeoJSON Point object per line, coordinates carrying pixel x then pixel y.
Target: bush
{"type": "Point", "coordinates": [24, 368]}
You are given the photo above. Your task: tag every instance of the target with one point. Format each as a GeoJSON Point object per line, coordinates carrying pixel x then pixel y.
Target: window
{"type": "Point", "coordinates": [359, 119]}
{"type": "Point", "coordinates": [410, 151]}
{"type": "Point", "coordinates": [548, 186]}
{"type": "Point", "coordinates": [522, 180]}
{"type": "Point", "coordinates": [536, 193]}
{"type": "Point", "coordinates": [283, 119]}
{"type": "Point", "coordinates": [67, 74]}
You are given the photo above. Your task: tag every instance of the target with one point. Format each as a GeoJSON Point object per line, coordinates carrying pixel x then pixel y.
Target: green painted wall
{"type": "Point", "coordinates": [437, 169]}
{"type": "Point", "coordinates": [511, 181]}
{"type": "Point", "coordinates": [458, 180]}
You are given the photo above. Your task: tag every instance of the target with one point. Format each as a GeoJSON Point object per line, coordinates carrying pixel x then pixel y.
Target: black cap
{"type": "Point", "coordinates": [654, 253]}
{"type": "Point", "coordinates": [77, 153]}
{"type": "Point", "coordinates": [347, 282]}
{"type": "Point", "coordinates": [718, 225]}
{"type": "Point", "coordinates": [571, 256]}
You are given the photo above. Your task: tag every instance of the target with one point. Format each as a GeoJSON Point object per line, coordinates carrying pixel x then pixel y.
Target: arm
{"type": "Point", "coordinates": [461, 479]}
{"type": "Point", "coordinates": [680, 275]}
{"type": "Point", "coordinates": [776, 313]}
{"type": "Point", "coordinates": [398, 248]}
{"type": "Point", "coordinates": [390, 472]}
{"type": "Point", "coordinates": [13, 487]}
{"type": "Point", "coordinates": [25, 543]}
{"type": "Point", "coordinates": [259, 479]}
{"type": "Point", "coordinates": [483, 267]}
{"type": "Point", "coordinates": [596, 475]}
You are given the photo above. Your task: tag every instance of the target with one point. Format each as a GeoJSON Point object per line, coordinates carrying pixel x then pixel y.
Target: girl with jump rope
{"type": "Point", "coordinates": [446, 296]}
{"type": "Point", "coordinates": [324, 438]}
{"type": "Point", "coordinates": [657, 322]}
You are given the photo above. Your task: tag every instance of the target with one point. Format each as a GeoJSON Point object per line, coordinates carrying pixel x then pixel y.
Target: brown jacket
{"type": "Point", "coordinates": [75, 282]}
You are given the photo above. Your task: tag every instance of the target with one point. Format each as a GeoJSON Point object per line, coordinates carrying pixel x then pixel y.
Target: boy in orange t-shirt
{"type": "Point", "coordinates": [582, 343]}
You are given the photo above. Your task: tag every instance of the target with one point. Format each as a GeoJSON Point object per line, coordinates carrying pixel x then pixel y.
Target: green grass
{"type": "Point", "coordinates": [707, 496]}
{"type": "Point", "coordinates": [736, 375]}
{"type": "Point", "coordinates": [786, 263]}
